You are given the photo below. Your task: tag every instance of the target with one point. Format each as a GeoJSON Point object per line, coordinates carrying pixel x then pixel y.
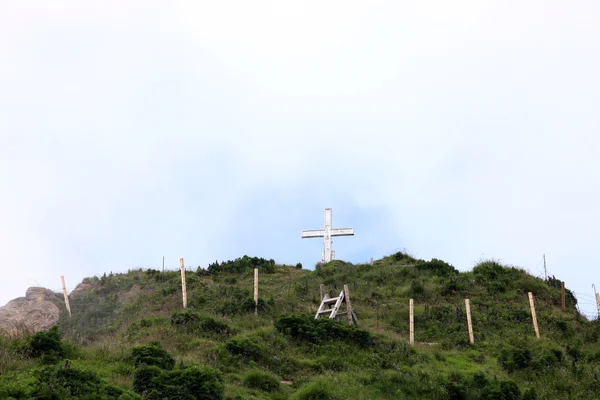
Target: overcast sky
{"type": "Point", "coordinates": [133, 130]}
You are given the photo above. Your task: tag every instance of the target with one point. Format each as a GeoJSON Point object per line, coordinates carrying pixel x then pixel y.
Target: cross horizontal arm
{"type": "Point", "coordinates": [313, 233]}
{"type": "Point", "coordinates": [342, 232]}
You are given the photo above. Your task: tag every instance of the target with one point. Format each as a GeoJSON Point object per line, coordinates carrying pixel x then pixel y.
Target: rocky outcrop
{"type": "Point", "coordinates": [33, 313]}
{"type": "Point", "coordinates": [80, 289]}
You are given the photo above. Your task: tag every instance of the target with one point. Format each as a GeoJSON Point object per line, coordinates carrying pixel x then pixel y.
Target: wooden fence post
{"type": "Point", "coordinates": [255, 291]}
{"type": "Point", "coordinates": [412, 322]}
{"type": "Point", "coordinates": [562, 295]}
{"type": "Point", "coordinates": [62, 278]}
{"type": "Point", "coordinates": [533, 316]}
{"type": "Point", "coordinates": [183, 289]}
{"type": "Point", "coordinates": [468, 308]}
{"type": "Point", "coordinates": [348, 305]}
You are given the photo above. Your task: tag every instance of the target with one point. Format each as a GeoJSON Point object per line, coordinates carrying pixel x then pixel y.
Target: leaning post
{"type": "Point", "coordinates": [62, 278]}
{"type": "Point", "coordinates": [533, 315]}
{"type": "Point", "coordinates": [468, 308]}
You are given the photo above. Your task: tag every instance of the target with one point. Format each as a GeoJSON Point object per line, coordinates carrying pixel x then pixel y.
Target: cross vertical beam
{"type": "Point", "coordinates": [327, 256]}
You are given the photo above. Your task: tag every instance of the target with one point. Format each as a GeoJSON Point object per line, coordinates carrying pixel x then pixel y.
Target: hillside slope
{"type": "Point", "coordinates": [122, 323]}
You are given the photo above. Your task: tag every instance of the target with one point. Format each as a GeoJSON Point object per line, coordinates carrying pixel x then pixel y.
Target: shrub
{"type": "Point", "coordinates": [318, 390]}
{"type": "Point", "coordinates": [453, 285]}
{"type": "Point", "coordinates": [168, 291]}
{"type": "Point", "coordinates": [45, 345]}
{"type": "Point", "coordinates": [143, 379]}
{"type": "Point", "coordinates": [249, 305]}
{"type": "Point", "coordinates": [14, 390]}
{"type": "Point", "coordinates": [230, 308]}
{"type": "Point", "coordinates": [184, 318]}
{"type": "Point", "coordinates": [152, 354]}
{"type": "Point", "coordinates": [416, 288]}
{"type": "Point", "coordinates": [202, 383]}
{"type": "Point", "coordinates": [246, 348]}
{"type": "Point", "coordinates": [192, 322]}
{"type": "Point", "coordinates": [490, 273]}
{"type": "Point", "coordinates": [516, 358]}
{"type": "Point", "coordinates": [261, 381]}
{"type": "Point", "coordinates": [241, 265]}
{"type": "Point", "coordinates": [437, 267]}
{"type": "Point", "coordinates": [230, 280]}
{"type": "Point", "coordinates": [135, 329]}
{"type": "Point", "coordinates": [152, 273]}
{"type": "Point", "coordinates": [211, 325]}
{"type": "Point", "coordinates": [299, 266]}
{"type": "Point", "coordinates": [306, 328]}
{"type": "Point", "coordinates": [72, 383]}
{"type": "Point", "coordinates": [194, 383]}
{"type": "Point", "coordinates": [245, 306]}
{"type": "Point", "coordinates": [505, 390]}
{"type": "Point", "coordinates": [197, 301]}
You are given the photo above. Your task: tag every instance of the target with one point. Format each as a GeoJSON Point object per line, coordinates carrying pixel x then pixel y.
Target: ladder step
{"type": "Point", "coordinates": [325, 312]}
{"type": "Point", "coordinates": [330, 301]}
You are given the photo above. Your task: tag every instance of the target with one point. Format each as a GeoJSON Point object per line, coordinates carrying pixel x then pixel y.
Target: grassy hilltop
{"type": "Point", "coordinates": [129, 337]}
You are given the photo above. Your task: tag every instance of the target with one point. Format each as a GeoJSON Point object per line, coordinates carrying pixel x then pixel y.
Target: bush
{"type": "Point", "coordinates": [211, 325]}
{"type": "Point", "coordinates": [184, 318]}
{"type": "Point", "coordinates": [261, 381]}
{"type": "Point", "coordinates": [194, 323]}
{"type": "Point", "coordinates": [241, 265]}
{"type": "Point", "coordinates": [416, 288]}
{"type": "Point", "coordinates": [490, 273]}
{"type": "Point", "coordinates": [249, 305]}
{"type": "Point", "coordinates": [437, 267]}
{"type": "Point", "coordinates": [135, 330]}
{"type": "Point", "coordinates": [143, 379]}
{"type": "Point", "coordinates": [505, 390]}
{"type": "Point", "coordinates": [152, 354]}
{"type": "Point", "coordinates": [514, 358]}
{"type": "Point", "coordinates": [72, 383]}
{"type": "Point", "coordinates": [318, 390]}
{"type": "Point", "coordinates": [517, 358]}
{"type": "Point", "coordinates": [399, 256]}
{"type": "Point", "coordinates": [299, 266]}
{"type": "Point", "coordinates": [306, 328]}
{"type": "Point", "coordinates": [246, 348]}
{"type": "Point", "coordinates": [45, 345]}
{"type": "Point", "coordinates": [245, 306]}
{"type": "Point", "coordinates": [194, 383]}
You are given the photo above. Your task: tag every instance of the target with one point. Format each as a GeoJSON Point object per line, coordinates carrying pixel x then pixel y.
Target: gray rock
{"type": "Point", "coordinates": [80, 289]}
{"type": "Point", "coordinates": [35, 312]}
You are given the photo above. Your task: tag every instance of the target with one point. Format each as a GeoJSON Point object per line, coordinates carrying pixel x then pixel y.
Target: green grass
{"type": "Point", "coordinates": [252, 356]}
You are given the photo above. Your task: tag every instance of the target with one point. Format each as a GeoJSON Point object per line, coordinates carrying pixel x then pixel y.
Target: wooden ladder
{"type": "Point", "coordinates": [331, 307]}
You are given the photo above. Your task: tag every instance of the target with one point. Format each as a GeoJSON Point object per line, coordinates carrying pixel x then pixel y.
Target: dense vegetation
{"type": "Point", "coordinates": [129, 337]}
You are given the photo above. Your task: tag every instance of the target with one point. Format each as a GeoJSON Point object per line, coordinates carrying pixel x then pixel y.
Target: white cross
{"type": "Point", "coordinates": [327, 233]}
